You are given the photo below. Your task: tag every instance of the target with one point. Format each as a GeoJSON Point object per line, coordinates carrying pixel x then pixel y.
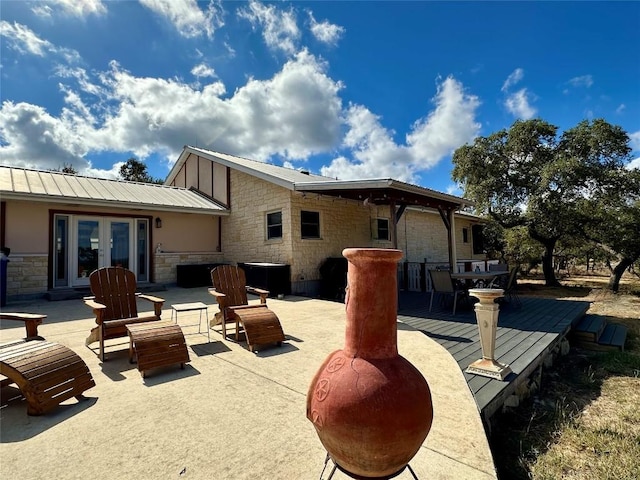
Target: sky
{"type": "Point", "coordinates": [350, 90]}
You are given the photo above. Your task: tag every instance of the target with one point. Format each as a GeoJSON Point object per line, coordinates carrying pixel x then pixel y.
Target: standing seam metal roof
{"type": "Point", "coordinates": [38, 185]}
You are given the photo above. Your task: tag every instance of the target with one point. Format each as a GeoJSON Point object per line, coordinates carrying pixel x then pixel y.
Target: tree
{"type": "Point", "coordinates": [528, 177]}
{"type": "Point", "coordinates": [136, 171]}
{"type": "Point", "coordinates": [66, 168]}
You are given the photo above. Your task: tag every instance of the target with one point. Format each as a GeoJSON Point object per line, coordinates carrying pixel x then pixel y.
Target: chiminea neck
{"type": "Point", "coordinates": [372, 302]}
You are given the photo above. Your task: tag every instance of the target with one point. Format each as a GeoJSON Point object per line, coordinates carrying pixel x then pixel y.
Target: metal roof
{"type": "Point", "coordinates": [57, 187]}
{"type": "Point", "coordinates": [283, 176]}
{"type": "Point", "coordinates": [378, 191]}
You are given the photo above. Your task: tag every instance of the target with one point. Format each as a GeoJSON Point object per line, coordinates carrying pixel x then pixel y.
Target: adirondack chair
{"type": "Point", "coordinates": [260, 324]}
{"type": "Point", "coordinates": [114, 304]}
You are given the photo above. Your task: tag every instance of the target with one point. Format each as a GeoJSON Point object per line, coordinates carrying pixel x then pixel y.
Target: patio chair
{"type": "Point", "coordinates": [442, 284]}
{"type": "Point", "coordinates": [511, 288]}
{"type": "Point", "coordinates": [260, 324]}
{"type": "Point", "coordinates": [114, 304]}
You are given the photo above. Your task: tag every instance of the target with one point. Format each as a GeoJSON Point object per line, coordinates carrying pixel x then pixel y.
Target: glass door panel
{"type": "Point", "coordinates": [88, 250]}
{"type": "Point", "coordinates": [119, 243]}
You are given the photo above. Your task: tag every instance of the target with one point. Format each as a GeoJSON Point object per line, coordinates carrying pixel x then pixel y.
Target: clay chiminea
{"type": "Point", "coordinates": [370, 407]}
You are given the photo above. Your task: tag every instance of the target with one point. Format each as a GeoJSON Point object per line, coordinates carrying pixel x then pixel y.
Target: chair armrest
{"type": "Point", "coordinates": [259, 291]}
{"type": "Point", "coordinates": [157, 303]}
{"type": "Point", "coordinates": [150, 298]}
{"type": "Point", "coordinates": [98, 308]}
{"type": "Point", "coordinates": [216, 294]}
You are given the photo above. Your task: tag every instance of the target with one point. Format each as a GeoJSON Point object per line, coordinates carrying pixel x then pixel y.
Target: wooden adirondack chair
{"type": "Point", "coordinates": [114, 304]}
{"type": "Point", "coordinates": [261, 325]}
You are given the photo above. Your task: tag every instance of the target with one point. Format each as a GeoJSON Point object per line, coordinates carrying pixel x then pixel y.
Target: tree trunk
{"type": "Point", "coordinates": [616, 273]}
{"type": "Point", "coordinates": [547, 264]}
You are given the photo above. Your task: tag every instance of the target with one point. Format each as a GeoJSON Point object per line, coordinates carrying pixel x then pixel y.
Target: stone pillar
{"type": "Point", "coordinates": [487, 312]}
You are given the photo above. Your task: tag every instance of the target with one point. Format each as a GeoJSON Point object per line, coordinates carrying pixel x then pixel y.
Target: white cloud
{"type": "Point", "coordinates": [515, 77]}
{"type": "Point", "coordinates": [635, 163]}
{"type": "Point", "coordinates": [77, 8]}
{"type": "Point", "coordinates": [294, 114]}
{"type": "Point", "coordinates": [634, 141]}
{"type": "Point", "coordinates": [449, 125]}
{"type": "Point", "coordinates": [324, 31]}
{"type": "Point", "coordinates": [187, 17]}
{"type": "Point", "coordinates": [23, 39]}
{"type": "Point", "coordinates": [582, 81]}
{"type": "Point", "coordinates": [203, 70]}
{"type": "Point", "coordinates": [518, 104]}
{"type": "Point", "coordinates": [43, 11]}
{"type": "Point", "coordinates": [621, 108]}
{"type": "Point", "coordinates": [280, 28]}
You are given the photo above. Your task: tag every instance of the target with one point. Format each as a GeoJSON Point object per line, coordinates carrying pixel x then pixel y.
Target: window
{"type": "Point", "coordinates": [309, 224]}
{"type": "Point", "coordinates": [381, 229]}
{"type": "Point", "coordinates": [478, 239]}
{"type": "Point", "coordinates": [465, 235]}
{"type": "Point", "coordinates": [274, 225]}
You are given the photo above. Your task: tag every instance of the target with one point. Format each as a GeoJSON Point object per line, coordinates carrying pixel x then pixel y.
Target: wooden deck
{"type": "Point", "coordinates": [525, 336]}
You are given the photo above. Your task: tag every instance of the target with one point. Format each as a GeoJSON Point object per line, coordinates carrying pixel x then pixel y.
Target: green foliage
{"type": "Point", "coordinates": [136, 171]}
{"type": "Point", "coordinates": [528, 177]}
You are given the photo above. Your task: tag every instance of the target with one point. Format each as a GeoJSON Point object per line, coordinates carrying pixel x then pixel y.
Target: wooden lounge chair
{"type": "Point", "coordinates": [261, 326]}
{"type": "Point", "coordinates": [442, 284]}
{"type": "Point", "coordinates": [47, 373]}
{"type": "Point", "coordinates": [114, 304]}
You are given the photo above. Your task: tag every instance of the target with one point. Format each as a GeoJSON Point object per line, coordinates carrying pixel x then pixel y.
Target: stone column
{"type": "Point", "coordinates": [487, 312]}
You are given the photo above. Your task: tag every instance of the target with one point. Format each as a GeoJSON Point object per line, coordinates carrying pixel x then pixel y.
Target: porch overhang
{"type": "Point", "coordinates": [385, 192]}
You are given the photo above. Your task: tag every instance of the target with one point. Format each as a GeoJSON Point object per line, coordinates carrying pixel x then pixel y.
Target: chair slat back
{"type": "Point", "coordinates": [441, 281]}
{"type": "Point", "coordinates": [498, 267]}
{"type": "Point", "coordinates": [511, 284]}
{"type": "Point", "coordinates": [115, 287]}
{"type": "Point", "coordinates": [231, 281]}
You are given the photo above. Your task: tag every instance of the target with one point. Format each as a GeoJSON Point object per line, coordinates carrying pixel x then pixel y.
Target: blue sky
{"type": "Point", "coordinates": [345, 89]}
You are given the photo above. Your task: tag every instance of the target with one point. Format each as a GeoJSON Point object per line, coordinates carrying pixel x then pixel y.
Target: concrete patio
{"type": "Point", "coordinates": [230, 414]}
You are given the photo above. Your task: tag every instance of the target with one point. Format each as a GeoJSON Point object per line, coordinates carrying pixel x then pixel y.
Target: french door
{"type": "Point", "coordinates": [85, 243]}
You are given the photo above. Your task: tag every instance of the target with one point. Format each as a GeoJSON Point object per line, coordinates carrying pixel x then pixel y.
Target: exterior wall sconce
{"type": "Point", "coordinates": [158, 222]}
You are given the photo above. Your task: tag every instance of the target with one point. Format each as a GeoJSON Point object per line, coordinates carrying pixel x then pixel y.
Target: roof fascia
{"type": "Point", "coordinates": [227, 163]}
{"type": "Point", "coordinates": [30, 197]}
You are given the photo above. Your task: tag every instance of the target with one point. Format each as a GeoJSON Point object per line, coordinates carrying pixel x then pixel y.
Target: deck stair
{"type": "Point", "coordinates": [593, 332]}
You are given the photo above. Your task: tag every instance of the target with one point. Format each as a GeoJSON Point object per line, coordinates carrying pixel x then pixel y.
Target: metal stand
{"type": "Point", "coordinates": [358, 477]}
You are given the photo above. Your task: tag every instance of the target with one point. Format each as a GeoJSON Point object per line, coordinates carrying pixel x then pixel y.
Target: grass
{"type": "Point", "coordinates": [584, 422]}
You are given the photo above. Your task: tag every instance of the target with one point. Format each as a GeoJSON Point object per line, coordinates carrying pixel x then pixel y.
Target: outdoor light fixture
{"type": "Point", "coordinates": [158, 222]}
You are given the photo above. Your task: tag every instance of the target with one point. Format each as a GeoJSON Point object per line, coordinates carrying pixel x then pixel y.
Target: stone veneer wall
{"type": "Point", "coordinates": [164, 264]}
{"type": "Point", "coordinates": [26, 276]}
{"type": "Point", "coordinates": [244, 236]}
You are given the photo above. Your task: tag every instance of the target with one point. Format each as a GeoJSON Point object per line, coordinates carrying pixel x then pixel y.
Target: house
{"type": "Point", "coordinates": [60, 227]}
{"type": "Point", "coordinates": [292, 217]}
{"type": "Point", "coordinates": [218, 208]}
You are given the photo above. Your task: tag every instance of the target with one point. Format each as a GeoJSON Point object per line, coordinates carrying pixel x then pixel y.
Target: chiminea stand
{"type": "Point", "coordinates": [358, 477]}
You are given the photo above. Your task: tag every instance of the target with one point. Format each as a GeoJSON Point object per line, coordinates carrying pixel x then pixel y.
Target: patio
{"type": "Point", "coordinates": [230, 414]}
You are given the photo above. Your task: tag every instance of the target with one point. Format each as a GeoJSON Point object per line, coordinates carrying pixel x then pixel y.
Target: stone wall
{"type": "Point", "coordinates": [164, 264]}
{"type": "Point", "coordinates": [26, 276]}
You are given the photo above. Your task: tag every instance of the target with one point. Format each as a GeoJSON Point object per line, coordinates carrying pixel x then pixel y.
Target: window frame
{"type": "Point", "coordinates": [465, 234]}
{"type": "Point", "coordinates": [377, 229]}
{"type": "Point", "coordinates": [268, 227]}
{"type": "Point", "coordinates": [308, 224]}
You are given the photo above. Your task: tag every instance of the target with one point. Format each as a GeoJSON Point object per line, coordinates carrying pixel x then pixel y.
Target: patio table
{"type": "Point", "coordinates": [485, 279]}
